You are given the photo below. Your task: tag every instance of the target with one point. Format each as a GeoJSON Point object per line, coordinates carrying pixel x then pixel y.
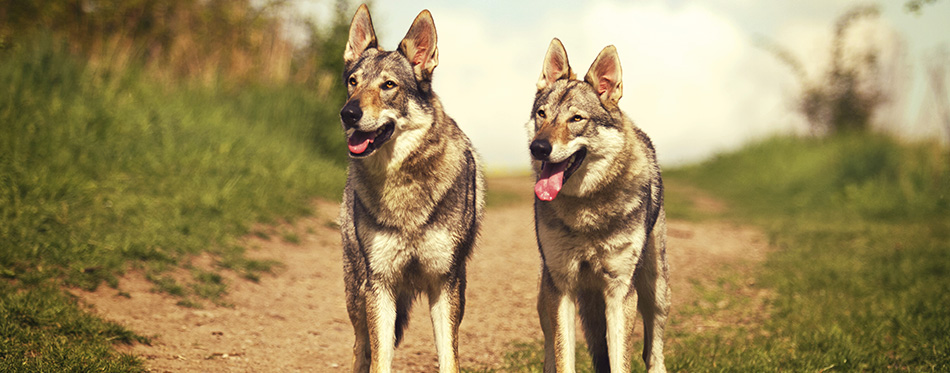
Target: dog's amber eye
{"type": "Point", "coordinates": [577, 118]}
{"type": "Point", "coordinates": [541, 113]}
{"type": "Point", "coordinates": [389, 84]}
{"type": "Point", "coordinates": [352, 81]}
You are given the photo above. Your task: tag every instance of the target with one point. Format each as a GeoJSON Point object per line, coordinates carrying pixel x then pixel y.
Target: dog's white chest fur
{"type": "Point", "coordinates": [391, 252]}
{"type": "Point", "coordinates": [608, 258]}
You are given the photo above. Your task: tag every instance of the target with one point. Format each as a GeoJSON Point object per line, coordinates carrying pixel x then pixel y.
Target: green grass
{"type": "Point", "coordinates": [861, 224]}
{"type": "Point", "coordinates": [103, 171]}
{"type": "Point", "coordinates": [43, 330]}
{"type": "Point", "coordinates": [860, 275]}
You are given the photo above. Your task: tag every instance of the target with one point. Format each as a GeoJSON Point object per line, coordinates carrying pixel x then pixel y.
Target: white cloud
{"type": "Point", "coordinates": [692, 80]}
{"type": "Point", "coordinates": [483, 88]}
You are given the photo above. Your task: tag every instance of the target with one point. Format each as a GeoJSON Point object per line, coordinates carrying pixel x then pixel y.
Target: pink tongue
{"type": "Point", "coordinates": [549, 184]}
{"type": "Point", "coordinates": [359, 141]}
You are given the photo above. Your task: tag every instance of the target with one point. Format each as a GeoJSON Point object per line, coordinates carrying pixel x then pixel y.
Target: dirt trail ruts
{"type": "Point", "coordinates": [296, 320]}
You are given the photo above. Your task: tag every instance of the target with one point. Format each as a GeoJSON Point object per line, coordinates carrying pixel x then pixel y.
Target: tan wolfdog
{"type": "Point", "coordinates": [599, 218]}
{"type": "Point", "coordinates": [414, 196]}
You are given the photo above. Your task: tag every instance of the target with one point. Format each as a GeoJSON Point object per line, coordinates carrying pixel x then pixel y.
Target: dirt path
{"type": "Point", "coordinates": [296, 320]}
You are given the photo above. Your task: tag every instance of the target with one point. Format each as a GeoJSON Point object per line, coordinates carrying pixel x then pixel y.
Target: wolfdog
{"type": "Point", "coordinates": [414, 195]}
{"type": "Point", "coordinates": [599, 218]}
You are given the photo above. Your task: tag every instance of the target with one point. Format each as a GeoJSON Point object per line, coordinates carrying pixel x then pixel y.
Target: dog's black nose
{"type": "Point", "coordinates": [351, 113]}
{"type": "Point", "coordinates": [540, 149]}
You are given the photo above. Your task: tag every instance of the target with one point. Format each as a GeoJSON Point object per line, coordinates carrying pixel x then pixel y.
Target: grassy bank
{"type": "Point", "coordinates": [860, 275]}
{"type": "Point", "coordinates": [105, 171]}
{"type": "Point", "coordinates": [861, 224]}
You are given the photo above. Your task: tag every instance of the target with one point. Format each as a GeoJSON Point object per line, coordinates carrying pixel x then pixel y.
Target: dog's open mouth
{"type": "Point", "coordinates": [554, 175]}
{"type": "Point", "coordinates": [363, 143]}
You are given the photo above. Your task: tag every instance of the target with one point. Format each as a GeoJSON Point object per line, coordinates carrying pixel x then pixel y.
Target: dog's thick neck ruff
{"type": "Point", "coordinates": [407, 177]}
{"type": "Point", "coordinates": [600, 209]}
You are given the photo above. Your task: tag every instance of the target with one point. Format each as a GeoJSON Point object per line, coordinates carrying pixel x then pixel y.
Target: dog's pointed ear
{"type": "Point", "coordinates": [362, 35]}
{"type": "Point", "coordinates": [555, 66]}
{"type": "Point", "coordinates": [419, 46]}
{"type": "Point", "coordinates": [605, 75]}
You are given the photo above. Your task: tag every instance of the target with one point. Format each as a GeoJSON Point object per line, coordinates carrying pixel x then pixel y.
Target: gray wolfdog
{"type": "Point", "coordinates": [599, 218]}
{"type": "Point", "coordinates": [414, 196]}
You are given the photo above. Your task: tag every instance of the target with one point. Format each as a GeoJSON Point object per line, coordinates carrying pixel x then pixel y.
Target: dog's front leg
{"type": "Point", "coordinates": [620, 305]}
{"type": "Point", "coordinates": [381, 320]}
{"type": "Point", "coordinates": [556, 310]}
{"type": "Point", "coordinates": [446, 305]}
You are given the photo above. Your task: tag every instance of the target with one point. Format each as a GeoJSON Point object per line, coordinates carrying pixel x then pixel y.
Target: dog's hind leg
{"type": "Point", "coordinates": [590, 304]}
{"type": "Point", "coordinates": [654, 297]}
{"type": "Point", "coordinates": [556, 310]}
{"type": "Point", "coordinates": [446, 307]}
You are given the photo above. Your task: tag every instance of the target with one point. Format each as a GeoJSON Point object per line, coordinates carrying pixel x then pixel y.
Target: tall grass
{"type": "Point", "coordinates": [103, 170]}
{"type": "Point", "coordinates": [861, 224]}
{"type": "Point", "coordinates": [863, 176]}
{"type": "Point", "coordinates": [198, 40]}
{"type": "Point", "coordinates": [43, 331]}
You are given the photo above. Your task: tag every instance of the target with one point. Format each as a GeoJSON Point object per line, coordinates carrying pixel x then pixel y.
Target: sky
{"type": "Point", "coordinates": [693, 77]}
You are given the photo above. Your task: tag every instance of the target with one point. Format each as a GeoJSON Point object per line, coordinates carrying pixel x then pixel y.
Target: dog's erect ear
{"type": "Point", "coordinates": [555, 66]}
{"type": "Point", "coordinates": [362, 35]}
{"type": "Point", "coordinates": [419, 46]}
{"type": "Point", "coordinates": [605, 75]}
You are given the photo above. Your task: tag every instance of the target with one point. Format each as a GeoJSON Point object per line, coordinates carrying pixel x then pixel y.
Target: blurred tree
{"type": "Point", "coordinates": [846, 96]}
{"type": "Point", "coordinates": [321, 59]}
{"type": "Point", "coordinates": [937, 65]}
{"type": "Point", "coordinates": [236, 40]}
{"type": "Point", "coordinates": [915, 6]}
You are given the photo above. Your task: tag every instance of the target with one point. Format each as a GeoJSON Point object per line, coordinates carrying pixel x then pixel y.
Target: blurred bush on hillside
{"type": "Point", "coordinates": [240, 41]}
{"type": "Point", "coordinates": [862, 77]}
